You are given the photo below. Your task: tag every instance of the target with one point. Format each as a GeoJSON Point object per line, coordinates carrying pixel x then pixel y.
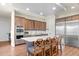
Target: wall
{"type": "Point", "coordinates": [4, 28]}
{"type": "Point", "coordinates": [50, 25]}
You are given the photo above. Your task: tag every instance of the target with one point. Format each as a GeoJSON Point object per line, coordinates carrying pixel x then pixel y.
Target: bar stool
{"type": "Point", "coordinates": [60, 45]}
{"type": "Point", "coordinates": [47, 47]}
{"type": "Point", "coordinates": [37, 48]}
{"type": "Point", "coordinates": [54, 49]}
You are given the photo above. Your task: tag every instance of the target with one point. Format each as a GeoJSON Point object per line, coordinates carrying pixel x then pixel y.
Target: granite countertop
{"type": "Point", "coordinates": [34, 38]}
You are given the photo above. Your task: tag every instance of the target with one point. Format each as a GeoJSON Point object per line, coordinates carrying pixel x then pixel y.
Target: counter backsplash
{"type": "Point", "coordinates": [28, 32]}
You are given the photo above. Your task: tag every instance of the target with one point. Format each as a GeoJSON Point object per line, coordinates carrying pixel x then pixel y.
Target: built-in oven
{"type": "Point", "coordinates": [19, 30]}
{"type": "Point", "coordinates": [19, 35]}
{"type": "Point", "coordinates": [19, 40]}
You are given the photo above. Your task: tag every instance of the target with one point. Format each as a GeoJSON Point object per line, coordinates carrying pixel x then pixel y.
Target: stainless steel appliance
{"type": "Point", "coordinates": [19, 35]}
{"type": "Point", "coordinates": [19, 30]}
{"type": "Point", "coordinates": [69, 30]}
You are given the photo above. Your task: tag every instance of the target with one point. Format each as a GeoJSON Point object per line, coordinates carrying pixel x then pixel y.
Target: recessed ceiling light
{"type": "Point", "coordinates": [72, 7]}
{"type": "Point", "coordinates": [41, 13]}
{"type": "Point", "coordinates": [27, 9]}
{"type": "Point", "coordinates": [54, 8]}
{"type": "Point", "coordinates": [3, 4]}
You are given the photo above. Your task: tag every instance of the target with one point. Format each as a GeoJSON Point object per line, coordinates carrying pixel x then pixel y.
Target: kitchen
{"type": "Point", "coordinates": [29, 26]}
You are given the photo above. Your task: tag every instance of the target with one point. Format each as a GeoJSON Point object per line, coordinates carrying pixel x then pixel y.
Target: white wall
{"type": "Point", "coordinates": [4, 28]}
{"type": "Point", "coordinates": [50, 24]}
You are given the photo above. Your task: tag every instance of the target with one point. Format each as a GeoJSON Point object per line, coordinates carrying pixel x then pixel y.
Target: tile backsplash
{"type": "Point", "coordinates": [35, 32]}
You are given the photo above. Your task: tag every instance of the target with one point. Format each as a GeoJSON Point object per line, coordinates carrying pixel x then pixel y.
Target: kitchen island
{"type": "Point", "coordinates": [28, 40]}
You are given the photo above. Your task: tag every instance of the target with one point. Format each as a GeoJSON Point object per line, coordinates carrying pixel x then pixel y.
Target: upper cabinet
{"type": "Point", "coordinates": [19, 21]}
{"type": "Point", "coordinates": [76, 17]}
{"type": "Point", "coordinates": [44, 25]}
{"type": "Point", "coordinates": [36, 25]}
{"type": "Point", "coordinates": [30, 24]}
{"type": "Point", "coordinates": [40, 25]}
{"type": "Point", "coordinates": [69, 18]}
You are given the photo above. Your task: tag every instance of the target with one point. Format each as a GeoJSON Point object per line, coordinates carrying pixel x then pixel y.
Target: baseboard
{"type": "Point", "coordinates": [3, 41]}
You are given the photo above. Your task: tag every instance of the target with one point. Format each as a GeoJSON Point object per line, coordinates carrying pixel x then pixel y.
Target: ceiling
{"type": "Point", "coordinates": [45, 8]}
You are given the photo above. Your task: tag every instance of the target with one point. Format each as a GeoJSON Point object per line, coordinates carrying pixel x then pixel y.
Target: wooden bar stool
{"type": "Point", "coordinates": [47, 47]}
{"type": "Point", "coordinates": [54, 50]}
{"type": "Point", "coordinates": [60, 45]}
{"type": "Point", "coordinates": [37, 48]}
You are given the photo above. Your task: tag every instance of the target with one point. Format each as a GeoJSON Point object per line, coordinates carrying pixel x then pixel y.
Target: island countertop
{"type": "Point", "coordinates": [34, 38]}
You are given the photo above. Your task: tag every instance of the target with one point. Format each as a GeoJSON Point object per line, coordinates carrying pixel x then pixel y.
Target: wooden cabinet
{"type": "Point", "coordinates": [40, 25]}
{"type": "Point", "coordinates": [19, 21]}
{"type": "Point", "coordinates": [30, 24]}
{"type": "Point", "coordinates": [43, 25]}
{"type": "Point", "coordinates": [36, 25]}
{"type": "Point", "coordinates": [75, 17]}
{"type": "Point", "coordinates": [26, 24]}
{"type": "Point", "coordinates": [69, 18]}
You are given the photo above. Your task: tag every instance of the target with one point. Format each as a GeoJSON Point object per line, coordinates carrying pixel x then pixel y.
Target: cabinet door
{"type": "Point", "coordinates": [17, 21]}
{"type": "Point", "coordinates": [73, 17]}
{"type": "Point", "coordinates": [31, 24]}
{"type": "Point", "coordinates": [77, 17]}
{"type": "Point", "coordinates": [36, 25]}
{"type": "Point", "coordinates": [26, 24]}
{"type": "Point", "coordinates": [39, 25]}
{"type": "Point", "coordinates": [43, 25]}
{"type": "Point", "coordinates": [20, 21]}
